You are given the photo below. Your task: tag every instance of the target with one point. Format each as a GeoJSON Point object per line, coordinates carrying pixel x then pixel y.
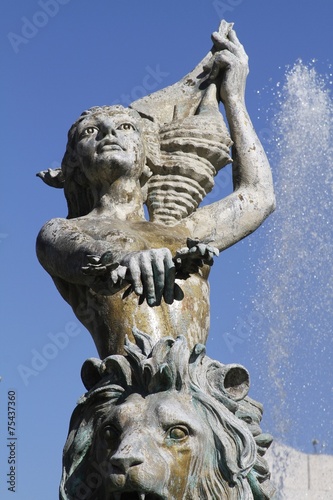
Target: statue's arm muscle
{"type": "Point", "coordinates": [62, 249]}
{"type": "Point", "coordinates": [229, 220]}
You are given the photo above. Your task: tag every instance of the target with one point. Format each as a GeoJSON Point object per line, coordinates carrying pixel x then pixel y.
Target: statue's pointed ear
{"type": "Point", "coordinates": [52, 177]}
{"type": "Point", "coordinates": [90, 372]}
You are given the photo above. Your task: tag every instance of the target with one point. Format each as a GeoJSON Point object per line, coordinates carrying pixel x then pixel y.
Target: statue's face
{"type": "Point", "coordinates": [109, 146]}
{"type": "Point", "coordinates": [145, 445]}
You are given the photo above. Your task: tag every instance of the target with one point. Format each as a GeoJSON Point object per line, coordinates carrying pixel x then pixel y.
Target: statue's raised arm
{"type": "Point", "coordinates": [234, 217]}
{"type": "Point", "coordinates": [195, 143]}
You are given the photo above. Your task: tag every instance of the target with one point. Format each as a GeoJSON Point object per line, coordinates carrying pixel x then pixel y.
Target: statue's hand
{"type": "Point", "coordinates": [189, 259]}
{"type": "Point", "coordinates": [231, 63]}
{"type": "Point", "coordinates": [152, 274]}
{"type": "Point", "coordinates": [98, 265]}
{"type": "Point", "coordinates": [109, 276]}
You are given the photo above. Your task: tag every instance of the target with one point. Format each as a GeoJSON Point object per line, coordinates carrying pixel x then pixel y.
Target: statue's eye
{"type": "Point", "coordinates": [178, 433]}
{"type": "Point", "coordinates": [126, 126]}
{"type": "Point", "coordinates": [110, 434]}
{"type": "Point", "coordinates": [89, 130]}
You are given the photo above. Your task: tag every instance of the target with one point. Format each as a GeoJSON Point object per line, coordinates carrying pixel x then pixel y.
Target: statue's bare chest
{"type": "Point", "coordinates": [133, 236]}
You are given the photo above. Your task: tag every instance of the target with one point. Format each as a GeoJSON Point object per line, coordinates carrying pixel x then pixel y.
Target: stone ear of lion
{"type": "Point", "coordinates": [233, 380]}
{"type": "Point", "coordinates": [90, 373]}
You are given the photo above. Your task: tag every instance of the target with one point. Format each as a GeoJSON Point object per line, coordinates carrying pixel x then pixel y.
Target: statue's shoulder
{"type": "Point", "coordinates": [58, 224]}
{"type": "Point", "coordinates": [60, 229]}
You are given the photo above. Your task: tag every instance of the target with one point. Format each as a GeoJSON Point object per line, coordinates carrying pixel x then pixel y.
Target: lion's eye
{"type": "Point", "coordinates": [110, 434]}
{"type": "Point", "coordinates": [178, 433]}
{"type": "Point", "coordinates": [126, 126]}
{"type": "Point", "coordinates": [89, 130]}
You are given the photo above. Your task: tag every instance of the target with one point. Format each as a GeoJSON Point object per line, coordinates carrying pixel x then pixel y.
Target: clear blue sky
{"type": "Point", "coordinates": [63, 58]}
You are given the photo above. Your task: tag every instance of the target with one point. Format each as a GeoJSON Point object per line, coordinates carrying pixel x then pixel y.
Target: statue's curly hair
{"type": "Point", "coordinates": [230, 463]}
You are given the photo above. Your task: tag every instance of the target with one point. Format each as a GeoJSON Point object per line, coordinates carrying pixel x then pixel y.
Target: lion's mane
{"type": "Point", "coordinates": [231, 466]}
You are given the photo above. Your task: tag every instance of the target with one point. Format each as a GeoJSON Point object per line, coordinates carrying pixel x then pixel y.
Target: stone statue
{"type": "Point", "coordinates": [165, 423]}
{"type": "Point", "coordinates": [119, 271]}
{"type": "Point", "coordinates": [160, 420]}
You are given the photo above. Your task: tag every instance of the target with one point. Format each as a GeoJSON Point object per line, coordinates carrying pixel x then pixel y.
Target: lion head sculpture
{"type": "Point", "coordinates": [164, 423]}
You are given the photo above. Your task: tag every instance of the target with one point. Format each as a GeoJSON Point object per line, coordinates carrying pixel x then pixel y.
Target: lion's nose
{"type": "Point", "coordinates": [127, 458]}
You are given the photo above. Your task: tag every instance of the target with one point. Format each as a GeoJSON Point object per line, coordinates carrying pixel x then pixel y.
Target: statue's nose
{"type": "Point", "coordinates": [126, 458]}
{"type": "Point", "coordinates": [109, 130]}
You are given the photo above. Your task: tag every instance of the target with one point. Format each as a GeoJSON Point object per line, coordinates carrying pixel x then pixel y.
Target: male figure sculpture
{"type": "Point", "coordinates": [106, 249]}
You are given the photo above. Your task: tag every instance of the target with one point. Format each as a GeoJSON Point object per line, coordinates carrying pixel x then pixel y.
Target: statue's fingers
{"type": "Point", "coordinates": [193, 252]}
{"type": "Point", "coordinates": [213, 250]}
{"type": "Point", "coordinates": [238, 48]}
{"type": "Point", "coordinates": [223, 60]}
{"type": "Point", "coordinates": [147, 277]}
{"type": "Point", "coordinates": [117, 276]}
{"type": "Point", "coordinates": [211, 254]}
{"type": "Point", "coordinates": [134, 275]}
{"type": "Point", "coordinates": [114, 277]}
{"type": "Point", "coordinates": [111, 267]}
{"type": "Point", "coordinates": [94, 259]}
{"type": "Point", "coordinates": [159, 278]}
{"type": "Point", "coordinates": [86, 270]}
{"type": "Point", "coordinates": [121, 272]}
{"type": "Point", "coordinates": [201, 248]}
{"type": "Point", "coordinates": [170, 274]}
{"type": "Point", "coordinates": [181, 251]}
{"type": "Point", "coordinates": [221, 42]}
{"type": "Point", "coordinates": [93, 270]}
{"type": "Point", "coordinates": [234, 38]}
{"type": "Point", "coordinates": [198, 251]}
{"type": "Point", "coordinates": [217, 39]}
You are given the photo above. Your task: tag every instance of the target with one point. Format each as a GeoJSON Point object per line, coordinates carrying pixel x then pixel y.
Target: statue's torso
{"type": "Point", "coordinates": [110, 317]}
